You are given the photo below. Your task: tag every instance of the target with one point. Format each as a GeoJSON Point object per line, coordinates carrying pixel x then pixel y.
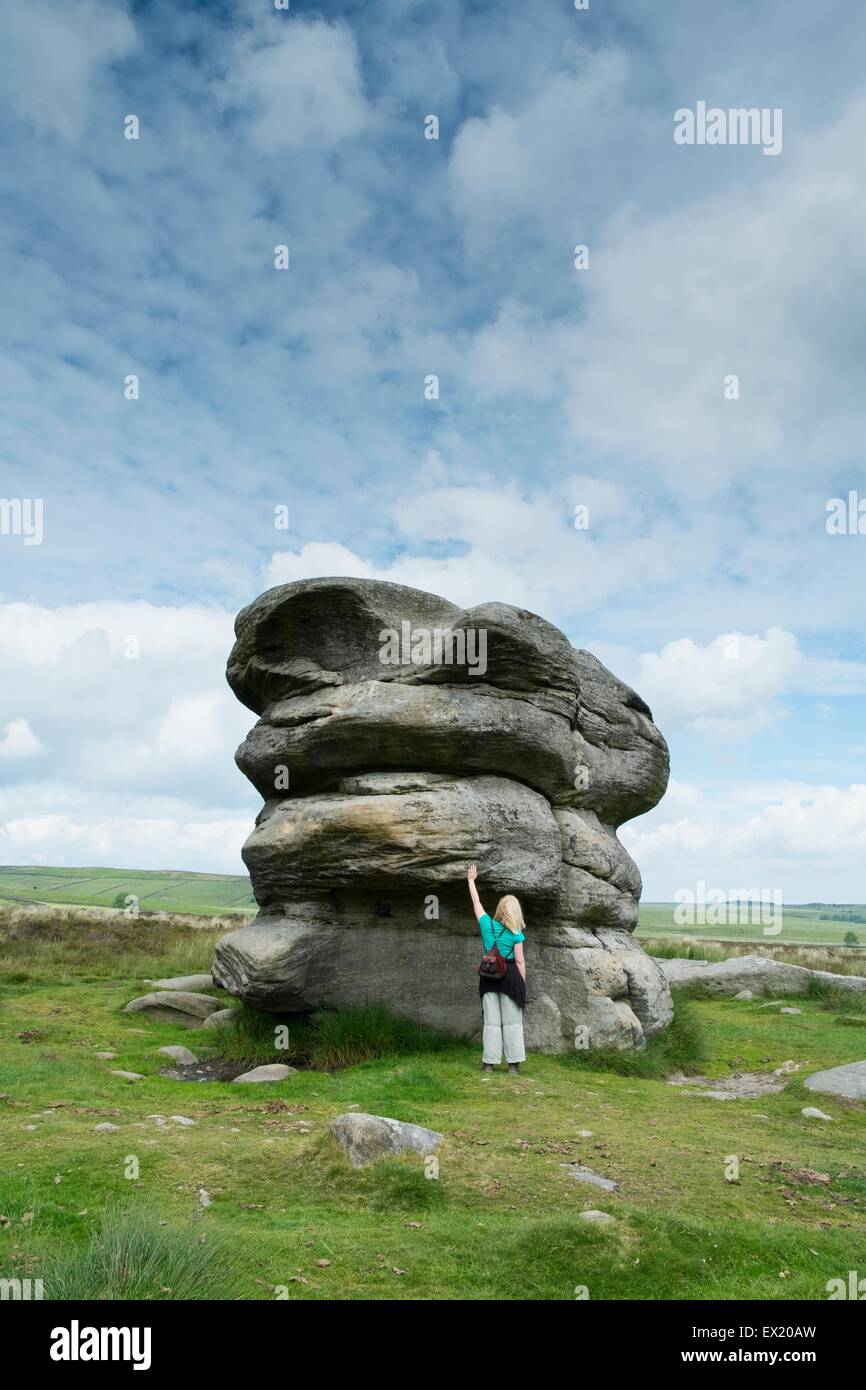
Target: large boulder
{"type": "Point", "coordinates": [753, 975]}
{"type": "Point", "coordinates": [401, 738]}
{"type": "Point", "coordinates": [367, 1138]}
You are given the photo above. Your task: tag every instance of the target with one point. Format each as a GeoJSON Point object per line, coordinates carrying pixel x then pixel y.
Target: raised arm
{"type": "Point", "coordinates": [471, 875]}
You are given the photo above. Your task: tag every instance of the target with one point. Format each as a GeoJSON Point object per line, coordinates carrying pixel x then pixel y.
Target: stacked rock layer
{"type": "Point", "coordinates": [401, 738]}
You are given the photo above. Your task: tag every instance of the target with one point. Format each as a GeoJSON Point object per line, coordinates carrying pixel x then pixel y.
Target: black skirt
{"type": "Point", "coordinates": [512, 984]}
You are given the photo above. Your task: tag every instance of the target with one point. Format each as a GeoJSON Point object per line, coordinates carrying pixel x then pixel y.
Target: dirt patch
{"type": "Point", "coordinates": [745, 1085]}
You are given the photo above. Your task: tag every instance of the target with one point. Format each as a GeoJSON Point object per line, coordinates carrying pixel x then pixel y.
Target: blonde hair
{"type": "Point", "coordinates": [510, 913]}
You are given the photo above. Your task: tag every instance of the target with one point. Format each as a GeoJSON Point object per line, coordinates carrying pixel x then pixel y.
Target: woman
{"type": "Point", "coordinates": [503, 1000]}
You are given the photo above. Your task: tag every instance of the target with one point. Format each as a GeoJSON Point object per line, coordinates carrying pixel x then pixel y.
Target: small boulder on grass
{"type": "Point", "coordinates": [272, 1071]}
{"type": "Point", "coordinates": [181, 1055]}
{"type": "Point", "coordinates": [128, 1075]}
{"type": "Point", "coordinates": [811, 1112]}
{"type": "Point", "coordinates": [222, 1018]}
{"type": "Point", "coordinates": [175, 1006]}
{"type": "Point", "coordinates": [583, 1174]}
{"type": "Point", "coordinates": [366, 1138]}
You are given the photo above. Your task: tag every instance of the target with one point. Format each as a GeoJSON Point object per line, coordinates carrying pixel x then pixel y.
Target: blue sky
{"type": "Point", "coordinates": [305, 388]}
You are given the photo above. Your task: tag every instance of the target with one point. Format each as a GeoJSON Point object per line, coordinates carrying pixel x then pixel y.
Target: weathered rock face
{"type": "Point", "coordinates": [400, 739]}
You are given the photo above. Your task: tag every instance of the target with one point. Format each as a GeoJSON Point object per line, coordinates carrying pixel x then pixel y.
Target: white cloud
{"type": "Point", "coordinates": [519, 168]}
{"type": "Point", "coordinates": [729, 686]}
{"type": "Point", "coordinates": [678, 302]}
{"type": "Point", "coordinates": [300, 83]}
{"type": "Point", "coordinates": [128, 699]}
{"type": "Point", "coordinates": [199, 845]}
{"type": "Point", "coordinates": [53, 57]}
{"type": "Point", "coordinates": [806, 840]}
{"type": "Point", "coordinates": [19, 741]}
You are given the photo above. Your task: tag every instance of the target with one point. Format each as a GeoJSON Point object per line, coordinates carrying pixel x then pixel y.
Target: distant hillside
{"type": "Point", "coordinates": [155, 889]}
{"type": "Point", "coordinates": [814, 924]}
{"type": "Point", "coordinates": [166, 890]}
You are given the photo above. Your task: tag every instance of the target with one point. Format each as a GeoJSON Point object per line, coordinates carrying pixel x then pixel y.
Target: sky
{"type": "Point", "coordinates": [706, 576]}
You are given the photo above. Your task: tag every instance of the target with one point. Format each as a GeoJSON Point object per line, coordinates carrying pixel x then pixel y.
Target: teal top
{"type": "Point", "coordinates": [493, 933]}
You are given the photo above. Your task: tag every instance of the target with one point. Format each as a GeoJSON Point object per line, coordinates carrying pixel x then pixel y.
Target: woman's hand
{"type": "Point", "coordinates": [471, 875]}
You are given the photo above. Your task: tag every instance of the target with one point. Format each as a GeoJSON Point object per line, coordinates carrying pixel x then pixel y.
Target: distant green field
{"type": "Point", "coordinates": [156, 890]}
{"type": "Point", "coordinates": [814, 924]}
{"type": "Point", "coordinates": [819, 924]}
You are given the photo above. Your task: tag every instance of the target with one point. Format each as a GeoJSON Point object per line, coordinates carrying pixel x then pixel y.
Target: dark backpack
{"type": "Point", "coordinates": [493, 965]}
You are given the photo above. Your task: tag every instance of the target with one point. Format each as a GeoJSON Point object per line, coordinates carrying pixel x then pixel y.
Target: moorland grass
{"type": "Point", "coordinates": [134, 1254]}
{"type": "Point", "coordinates": [501, 1211]}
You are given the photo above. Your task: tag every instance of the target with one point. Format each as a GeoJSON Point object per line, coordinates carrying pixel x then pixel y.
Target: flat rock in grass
{"type": "Point", "coordinates": [600, 1218]}
{"type": "Point", "coordinates": [221, 1018]}
{"type": "Point", "coordinates": [273, 1071]}
{"type": "Point", "coordinates": [175, 1006]}
{"type": "Point", "coordinates": [128, 1075]}
{"type": "Point", "coordinates": [185, 982]}
{"type": "Point", "coordinates": [366, 1138]}
{"type": "Point", "coordinates": [106, 1128]}
{"type": "Point", "coordinates": [790, 1011]}
{"type": "Point", "coordinates": [582, 1174]}
{"type": "Point", "coordinates": [758, 974]}
{"type": "Point", "coordinates": [848, 1081]}
{"type": "Point", "coordinates": [106, 1056]}
{"type": "Point", "coordinates": [811, 1113]}
{"type": "Point", "coordinates": [744, 994]}
{"type": "Point", "coordinates": [741, 1086]}
{"type": "Point", "coordinates": [181, 1055]}
{"type": "Point", "coordinates": [183, 1120]}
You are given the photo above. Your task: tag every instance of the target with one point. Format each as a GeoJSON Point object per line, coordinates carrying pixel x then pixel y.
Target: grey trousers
{"type": "Point", "coordinates": [503, 1027]}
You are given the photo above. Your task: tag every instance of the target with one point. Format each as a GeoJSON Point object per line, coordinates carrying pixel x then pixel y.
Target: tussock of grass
{"type": "Point", "coordinates": [326, 1040]}
{"type": "Point", "coordinates": [135, 1256]}
{"type": "Point", "coordinates": [681, 1047]}
{"type": "Point", "coordinates": [350, 1036]}
{"type": "Point", "coordinates": [667, 949]}
{"type": "Point", "coordinates": [843, 1000]}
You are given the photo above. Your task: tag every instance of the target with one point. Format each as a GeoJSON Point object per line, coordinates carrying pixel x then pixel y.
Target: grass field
{"type": "Point", "coordinates": [166, 891]}
{"type": "Point", "coordinates": [155, 890]}
{"type": "Point", "coordinates": [819, 924]}
{"type": "Point", "coordinates": [123, 1213]}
